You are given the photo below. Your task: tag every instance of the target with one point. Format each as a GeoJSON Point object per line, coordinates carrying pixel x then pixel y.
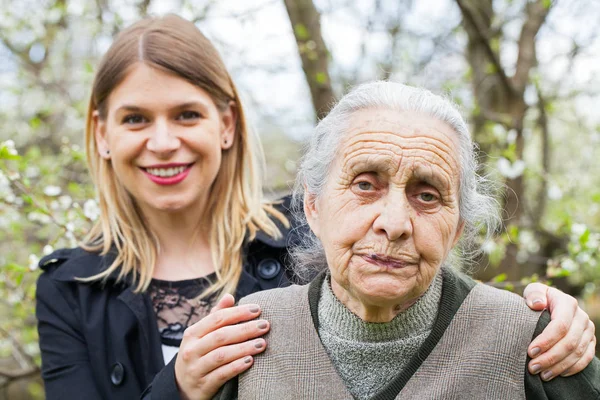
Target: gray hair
{"type": "Point", "coordinates": [478, 207]}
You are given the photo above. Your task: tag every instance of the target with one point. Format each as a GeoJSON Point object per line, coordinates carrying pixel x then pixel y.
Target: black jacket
{"type": "Point", "coordinates": [102, 342]}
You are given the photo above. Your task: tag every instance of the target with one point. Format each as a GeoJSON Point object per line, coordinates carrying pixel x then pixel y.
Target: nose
{"type": "Point", "coordinates": [394, 219]}
{"type": "Point", "coordinates": [162, 141]}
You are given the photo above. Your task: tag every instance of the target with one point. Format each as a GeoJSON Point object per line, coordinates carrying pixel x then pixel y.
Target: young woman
{"type": "Point", "coordinates": [182, 224]}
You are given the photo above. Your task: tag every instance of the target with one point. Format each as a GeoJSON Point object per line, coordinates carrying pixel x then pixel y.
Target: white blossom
{"type": "Point", "coordinates": [10, 146]}
{"type": "Point", "coordinates": [36, 216]}
{"type": "Point", "coordinates": [5, 188]}
{"type": "Point", "coordinates": [511, 170]}
{"type": "Point", "coordinates": [65, 201]}
{"type": "Point", "coordinates": [91, 210]}
{"type": "Point", "coordinates": [32, 171]}
{"type": "Point", "coordinates": [33, 262]}
{"type": "Point", "coordinates": [568, 265]}
{"type": "Point", "coordinates": [52, 191]}
{"type": "Point", "coordinates": [554, 192]}
{"type": "Point", "coordinates": [511, 136]}
{"type": "Point", "coordinates": [47, 249]}
{"type": "Point", "coordinates": [578, 229]}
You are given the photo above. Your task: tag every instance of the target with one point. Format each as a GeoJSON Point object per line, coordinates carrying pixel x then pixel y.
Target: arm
{"type": "Point", "coordinates": [66, 368]}
{"type": "Point", "coordinates": [567, 345]}
{"type": "Point", "coordinates": [584, 385]}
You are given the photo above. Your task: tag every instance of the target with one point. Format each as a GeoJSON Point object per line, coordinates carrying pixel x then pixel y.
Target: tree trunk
{"type": "Point", "coordinates": [500, 98]}
{"type": "Point", "coordinates": [306, 25]}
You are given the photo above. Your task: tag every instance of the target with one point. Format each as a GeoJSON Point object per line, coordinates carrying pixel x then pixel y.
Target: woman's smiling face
{"type": "Point", "coordinates": [389, 213]}
{"type": "Point", "coordinates": [164, 138]}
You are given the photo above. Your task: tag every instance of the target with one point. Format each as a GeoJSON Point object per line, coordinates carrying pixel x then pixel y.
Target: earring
{"type": "Point", "coordinates": [225, 141]}
{"type": "Point", "coordinates": [107, 152]}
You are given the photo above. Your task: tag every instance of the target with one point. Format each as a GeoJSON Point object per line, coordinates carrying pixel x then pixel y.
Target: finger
{"type": "Point", "coordinates": [535, 296]}
{"type": "Point", "coordinates": [570, 360]}
{"type": "Point", "coordinates": [556, 359]}
{"type": "Point", "coordinates": [229, 335]}
{"type": "Point", "coordinates": [587, 357]}
{"type": "Point", "coordinates": [562, 309]}
{"type": "Point", "coordinates": [221, 318]}
{"type": "Point", "coordinates": [225, 302]}
{"type": "Point", "coordinates": [218, 377]}
{"type": "Point", "coordinates": [227, 354]}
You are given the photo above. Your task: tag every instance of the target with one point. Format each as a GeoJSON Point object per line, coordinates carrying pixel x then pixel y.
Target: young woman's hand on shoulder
{"type": "Point", "coordinates": [218, 348]}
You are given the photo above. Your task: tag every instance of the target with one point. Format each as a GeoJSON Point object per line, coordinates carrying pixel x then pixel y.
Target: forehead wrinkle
{"type": "Point", "coordinates": [369, 162]}
{"type": "Point", "coordinates": [435, 175]}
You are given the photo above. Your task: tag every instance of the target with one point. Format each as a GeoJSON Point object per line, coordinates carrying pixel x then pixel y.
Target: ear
{"type": "Point", "coordinates": [459, 232]}
{"type": "Point", "coordinates": [229, 119]}
{"type": "Point", "coordinates": [99, 127]}
{"type": "Point", "coordinates": [311, 211]}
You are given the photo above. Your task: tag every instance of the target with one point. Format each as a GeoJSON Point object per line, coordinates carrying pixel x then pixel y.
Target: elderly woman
{"type": "Point", "coordinates": [391, 195]}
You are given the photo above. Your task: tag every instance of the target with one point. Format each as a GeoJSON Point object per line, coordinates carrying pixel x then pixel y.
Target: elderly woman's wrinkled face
{"type": "Point", "coordinates": [389, 213]}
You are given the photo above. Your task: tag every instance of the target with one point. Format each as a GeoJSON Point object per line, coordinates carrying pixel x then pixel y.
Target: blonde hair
{"type": "Point", "coordinates": [235, 206]}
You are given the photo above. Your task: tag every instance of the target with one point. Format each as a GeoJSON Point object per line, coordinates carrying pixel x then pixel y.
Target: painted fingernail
{"type": "Point", "coordinates": [262, 325]}
{"type": "Point", "coordinates": [259, 344]}
{"type": "Point", "coordinates": [248, 360]}
{"type": "Point", "coordinates": [254, 309]}
{"type": "Point", "coordinates": [546, 375]}
{"type": "Point", "coordinates": [535, 351]}
{"type": "Point", "coordinates": [535, 368]}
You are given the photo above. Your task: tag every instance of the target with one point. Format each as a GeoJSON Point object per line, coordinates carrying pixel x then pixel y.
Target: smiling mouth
{"type": "Point", "coordinates": [167, 172]}
{"type": "Point", "coordinates": [390, 262]}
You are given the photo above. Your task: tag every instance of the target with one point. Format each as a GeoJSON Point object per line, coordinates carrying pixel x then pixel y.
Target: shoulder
{"type": "Point", "coordinates": [281, 297]}
{"type": "Point", "coordinates": [289, 229]}
{"type": "Point", "coordinates": [66, 265]}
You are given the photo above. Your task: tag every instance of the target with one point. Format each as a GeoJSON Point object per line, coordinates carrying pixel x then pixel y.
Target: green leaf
{"type": "Point", "coordinates": [35, 122]}
{"type": "Point", "coordinates": [321, 78]}
{"type": "Point", "coordinates": [499, 278]}
{"type": "Point", "coordinates": [301, 32]}
{"type": "Point", "coordinates": [547, 3]}
{"type": "Point", "coordinates": [583, 239]}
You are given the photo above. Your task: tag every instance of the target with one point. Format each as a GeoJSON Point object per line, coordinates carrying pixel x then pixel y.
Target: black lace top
{"type": "Point", "coordinates": [176, 306]}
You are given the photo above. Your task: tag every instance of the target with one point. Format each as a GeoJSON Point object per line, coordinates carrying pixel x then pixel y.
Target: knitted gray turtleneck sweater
{"type": "Point", "coordinates": [368, 355]}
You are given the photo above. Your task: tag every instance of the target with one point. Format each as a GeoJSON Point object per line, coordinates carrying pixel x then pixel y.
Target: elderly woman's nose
{"type": "Point", "coordinates": [162, 139]}
{"type": "Point", "coordinates": [394, 220]}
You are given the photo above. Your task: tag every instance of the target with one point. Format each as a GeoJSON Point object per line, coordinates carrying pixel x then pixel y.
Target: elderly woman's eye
{"type": "Point", "coordinates": [428, 197]}
{"type": "Point", "coordinates": [364, 185]}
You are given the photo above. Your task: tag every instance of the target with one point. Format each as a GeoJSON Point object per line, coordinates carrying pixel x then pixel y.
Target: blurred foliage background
{"type": "Point", "coordinates": [525, 73]}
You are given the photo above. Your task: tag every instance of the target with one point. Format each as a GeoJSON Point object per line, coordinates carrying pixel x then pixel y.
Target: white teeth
{"type": "Point", "coordinates": [165, 172]}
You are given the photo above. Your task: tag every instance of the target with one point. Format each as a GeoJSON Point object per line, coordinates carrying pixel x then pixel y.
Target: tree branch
{"type": "Point", "coordinates": [538, 211]}
{"type": "Point", "coordinates": [483, 39]}
{"type": "Point", "coordinates": [306, 26]}
{"type": "Point", "coordinates": [536, 13]}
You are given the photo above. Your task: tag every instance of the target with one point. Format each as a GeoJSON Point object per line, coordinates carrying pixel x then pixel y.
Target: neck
{"type": "Point", "coordinates": [184, 249]}
{"type": "Point", "coordinates": [370, 312]}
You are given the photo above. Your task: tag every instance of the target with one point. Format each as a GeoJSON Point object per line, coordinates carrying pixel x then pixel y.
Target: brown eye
{"type": "Point", "coordinates": [188, 115]}
{"type": "Point", "coordinates": [133, 119]}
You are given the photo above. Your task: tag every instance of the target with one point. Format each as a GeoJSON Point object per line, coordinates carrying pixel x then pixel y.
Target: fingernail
{"type": "Point", "coordinates": [535, 351]}
{"type": "Point", "coordinates": [535, 368]}
{"type": "Point", "coordinates": [262, 325]}
{"type": "Point", "coordinates": [546, 375]}
{"type": "Point", "coordinates": [259, 344]}
{"type": "Point", "coordinates": [254, 308]}
{"type": "Point", "coordinates": [537, 301]}
{"type": "Point", "coordinates": [248, 360]}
